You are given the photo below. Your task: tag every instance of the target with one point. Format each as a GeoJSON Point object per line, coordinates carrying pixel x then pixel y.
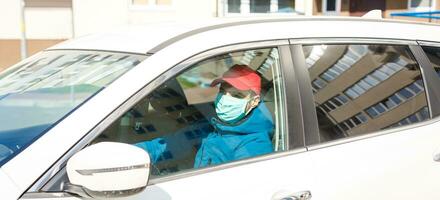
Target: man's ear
{"type": "Point", "coordinates": [255, 101]}
{"type": "Point", "coordinates": [252, 103]}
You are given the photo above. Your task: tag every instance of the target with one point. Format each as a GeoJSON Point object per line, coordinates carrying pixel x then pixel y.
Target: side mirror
{"type": "Point", "coordinates": [109, 169]}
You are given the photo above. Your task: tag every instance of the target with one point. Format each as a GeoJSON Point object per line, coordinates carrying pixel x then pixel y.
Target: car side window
{"type": "Point", "coordinates": [222, 109]}
{"type": "Point", "coordinates": [433, 54]}
{"type": "Point", "coordinates": [360, 89]}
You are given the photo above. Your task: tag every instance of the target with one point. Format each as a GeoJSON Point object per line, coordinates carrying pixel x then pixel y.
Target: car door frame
{"type": "Point", "coordinates": [295, 133]}
{"type": "Point", "coordinates": [430, 75]}
{"type": "Point", "coordinates": [312, 127]}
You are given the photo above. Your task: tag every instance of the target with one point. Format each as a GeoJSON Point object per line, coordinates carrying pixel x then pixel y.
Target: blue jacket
{"type": "Point", "coordinates": [247, 138]}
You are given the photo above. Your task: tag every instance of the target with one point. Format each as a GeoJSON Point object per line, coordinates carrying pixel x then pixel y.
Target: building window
{"type": "Point", "coordinates": [315, 55]}
{"type": "Point", "coordinates": [421, 5]}
{"type": "Point", "coordinates": [334, 102]}
{"type": "Point", "coordinates": [244, 7]}
{"type": "Point", "coordinates": [419, 116]}
{"type": "Point", "coordinates": [48, 3]}
{"type": "Point", "coordinates": [377, 76]}
{"type": "Point", "coordinates": [286, 6]}
{"type": "Point", "coordinates": [352, 55]}
{"type": "Point", "coordinates": [331, 7]}
{"type": "Point", "coordinates": [353, 122]}
{"type": "Point", "coordinates": [234, 6]}
{"type": "Point", "coordinates": [151, 3]}
{"type": "Point", "coordinates": [318, 84]}
{"type": "Point", "coordinates": [260, 6]}
{"type": "Point", "coordinates": [396, 99]}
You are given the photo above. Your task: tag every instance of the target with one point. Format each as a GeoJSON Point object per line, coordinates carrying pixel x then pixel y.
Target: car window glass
{"type": "Point", "coordinates": [360, 89]}
{"type": "Point", "coordinates": [433, 54]}
{"type": "Point", "coordinates": [42, 90]}
{"type": "Point", "coordinates": [204, 116]}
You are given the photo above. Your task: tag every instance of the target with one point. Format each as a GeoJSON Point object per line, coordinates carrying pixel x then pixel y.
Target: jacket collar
{"type": "Point", "coordinates": [258, 120]}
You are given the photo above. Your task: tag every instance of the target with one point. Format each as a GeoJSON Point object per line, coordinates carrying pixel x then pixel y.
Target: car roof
{"type": "Point", "coordinates": [150, 38]}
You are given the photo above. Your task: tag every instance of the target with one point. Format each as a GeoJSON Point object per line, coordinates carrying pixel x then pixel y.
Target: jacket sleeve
{"type": "Point", "coordinates": [155, 148]}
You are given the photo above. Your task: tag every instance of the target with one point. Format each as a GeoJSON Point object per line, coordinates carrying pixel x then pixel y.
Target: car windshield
{"type": "Point", "coordinates": [40, 91]}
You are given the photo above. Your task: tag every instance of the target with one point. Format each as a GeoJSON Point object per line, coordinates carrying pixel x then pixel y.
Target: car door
{"type": "Point", "coordinates": [373, 136]}
{"type": "Point", "coordinates": [177, 109]}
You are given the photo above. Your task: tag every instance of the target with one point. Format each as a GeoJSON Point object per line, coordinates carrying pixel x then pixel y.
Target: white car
{"type": "Point", "coordinates": [353, 102]}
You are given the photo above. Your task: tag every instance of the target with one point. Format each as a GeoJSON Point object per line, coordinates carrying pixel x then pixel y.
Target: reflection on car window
{"type": "Point", "coordinates": [433, 54]}
{"type": "Point", "coordinates": [41, 90]}
{"type": "Point", "coordinates": [359, 89]}
{"type": "Point", "coordinates": [222, 109]}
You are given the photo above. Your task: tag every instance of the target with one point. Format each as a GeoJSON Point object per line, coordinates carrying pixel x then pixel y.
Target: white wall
{"type": "Point", "coordinates": [97, 15]}
{"type": "Point", "coordinates": [10, 19]}
{"type": "Point", "coordinates": [100, 15]}
{"type": "Point", "coordinates": [180, 10]}
{"type": "Point", "coordinates": [41, 23]}
{"type": "Point", "coordinates": [304, 6]}
{"type": "Point", "coordinates": [48, 23]}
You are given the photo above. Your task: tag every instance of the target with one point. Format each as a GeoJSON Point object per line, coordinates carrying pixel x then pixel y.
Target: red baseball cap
{"type": "Point", "coordinates": [242, 78]}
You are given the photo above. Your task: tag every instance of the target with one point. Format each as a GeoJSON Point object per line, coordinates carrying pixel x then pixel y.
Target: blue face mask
{"type": "Point", "coordinates": [230, 109]}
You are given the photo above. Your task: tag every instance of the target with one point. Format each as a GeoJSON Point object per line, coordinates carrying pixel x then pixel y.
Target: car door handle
{"type": "Point", "coordinates": [436, 157]}
{"type": "Point", "coordinates": [287, 195]}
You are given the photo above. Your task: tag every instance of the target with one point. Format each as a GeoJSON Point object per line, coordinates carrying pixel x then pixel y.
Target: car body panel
{"type": "Point", "coordinates": [8, 187]}
{"type": "Point", "coordinates": [386, 167]}
{"type": "Point", "coordinates": [143, 39]}
{"type": "Point", "coordinates": [52, 197]}
{"type": "Point", "coordinates": [259, 180]}
{"type": "Point", "coordinates": [135, 39]}
{"type": "Point", "coordinates": [49, 196]}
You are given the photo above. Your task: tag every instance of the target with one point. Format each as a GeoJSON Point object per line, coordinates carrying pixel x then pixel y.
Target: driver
{"type": "Point", "coordinates": [242, 128]}
{"type": "Point", "coordinates": [243, 125]}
